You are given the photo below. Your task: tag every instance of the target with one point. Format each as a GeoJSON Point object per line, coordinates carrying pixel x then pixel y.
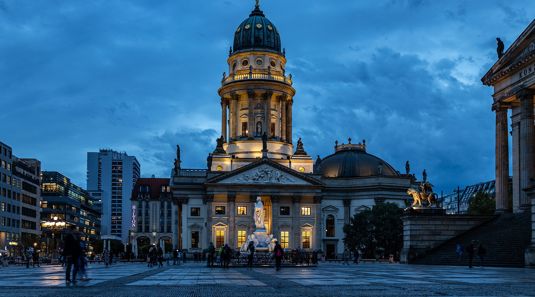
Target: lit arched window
{"type": "Point", "coordinates": [329, 226]}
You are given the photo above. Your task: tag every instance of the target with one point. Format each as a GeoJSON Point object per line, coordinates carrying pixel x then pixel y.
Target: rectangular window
{"type": "Point", "coordinates": [285, 239]}
{"type": "Point", "coordinates": [194, 239]}
{"type": "Point", "coordinates": [244, 129]}
{"type": "Point", "coordinates": [242, 210]}
{"type": "Point", "coordinates": [242, 236]}
{"type": "Point", "coordinates": [285, 211]}
{"type": "Point", "coordinates": [220, 210]}
{"type": "Point", "coordinates": [272, 130]}
{"type": "Point", "coordinates": [305, 238]}
{"type": "Point", "coordinates": [219, 238]}
{"type": "Point", "coordinates": [305, 211]}
{"type": "Point", "coordinates": [195, 212]}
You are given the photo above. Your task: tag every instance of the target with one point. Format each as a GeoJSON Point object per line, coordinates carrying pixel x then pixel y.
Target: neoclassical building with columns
{"type": "Point", "coordinates": [306, 202]}
{"type": "Point", "coordinates": [513, 80]}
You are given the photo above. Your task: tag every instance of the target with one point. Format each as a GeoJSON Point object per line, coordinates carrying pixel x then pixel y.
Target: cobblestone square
{"type": "Point", "coordinates": [325, 280]}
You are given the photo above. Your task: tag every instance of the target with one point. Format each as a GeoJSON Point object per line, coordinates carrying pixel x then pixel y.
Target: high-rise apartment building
{"type": "Point", "coordinates": [9, 202]}
{"type": "Point", "coordinates": [113, 174]}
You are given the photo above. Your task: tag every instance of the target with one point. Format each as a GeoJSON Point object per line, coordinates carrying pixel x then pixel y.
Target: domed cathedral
{"type": "Point", "coordinates": [305, 204]}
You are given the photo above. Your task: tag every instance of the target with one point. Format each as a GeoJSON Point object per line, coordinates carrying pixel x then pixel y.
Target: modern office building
{"type": "Point", "coordinates": [9, 202]}
{"type": "Point", "coordinates": [112, 175]}
{"type": "Point", "coordinates": [27, 176]}
{"type": "Point", "coordinates": [65, 204]}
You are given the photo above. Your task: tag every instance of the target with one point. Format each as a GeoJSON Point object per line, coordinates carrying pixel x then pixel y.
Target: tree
{"type": "Point", "coordinates": [377, 232]}
{"type": "Point", "coordinates": [481, 204]}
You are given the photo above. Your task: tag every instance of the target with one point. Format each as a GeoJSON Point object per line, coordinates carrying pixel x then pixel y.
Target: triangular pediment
{"type": "Point", "coordinates": [265, 172]}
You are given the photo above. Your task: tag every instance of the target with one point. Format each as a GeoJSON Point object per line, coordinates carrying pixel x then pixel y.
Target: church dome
{"type": "Point", "coordinates": [352, 160]}
{"type": "Point", "coordinates": [257, 33]}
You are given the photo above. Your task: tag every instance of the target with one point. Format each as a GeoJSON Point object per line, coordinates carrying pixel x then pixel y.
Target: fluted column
{"type": "Point", "coordinates": [224, 119]}
{"type": "Point", "coordinates": [251, 123]}
{"type": "Point", "coordinates": [233, 115]}
{"type": "Point", "coordinates": [347, 211]}
{"type": "Point", "coordinates": [318, 238]}
{"type": "Point", "coordinates": [275, 209]}
{"type": "Point", "coordinates": [526, 144]}
{"type": "Point", "coordinates": [289, 122]}
{"type": "Point", "coordinates": [283, 119]}
{"type": "Point", "coordinates": [267, 113]}
{"type": "Point", "coordinates": [231, 197]}
{"type": "Point", "coordinates": [502, 160]}
{"type": "Point", "coordinates": [296, 228]}
{"type": "Point", "coordinates": [208, 200]}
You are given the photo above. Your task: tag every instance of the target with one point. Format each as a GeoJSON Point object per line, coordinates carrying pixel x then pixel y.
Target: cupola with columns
{"type": "Point", "coordinates": [256, 99]}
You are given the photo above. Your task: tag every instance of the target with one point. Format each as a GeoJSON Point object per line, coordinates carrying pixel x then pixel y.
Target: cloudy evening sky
{"type": "Point", "coordinates": [142, 76]}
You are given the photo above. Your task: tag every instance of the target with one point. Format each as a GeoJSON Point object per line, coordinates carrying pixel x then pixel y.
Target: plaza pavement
{"type": "Point", "coordinates": [325, 280]}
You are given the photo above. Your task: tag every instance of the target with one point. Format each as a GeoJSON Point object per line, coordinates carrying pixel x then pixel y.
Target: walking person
{"type": "Point", "coordinates": [250, 257]}
{"type": "Point", "coordinates": [160, 256]}
{"type": "Point", "coordinates": [211, 255]}
{"type": "Point", "coordinates": [356, 256]}
{"type": "Point", "coordinates": [35, 258]}
{"type": "Point", "coordinates": [459, 250]}
{"type": "Point", "coordinates": [470, 249]}
{"type": "Point", "coordinates": [345, 257]}
{"type": "Point", "coordinates": [106, 257]}
{"type": "Point", "coordinates": [82, 264]}
{"type": "Point", "coordinates": [71, 252]}
{"type": "Point", "coordinates": [227, 255]}
{"type": "Point", "coordinates": [278, 253]}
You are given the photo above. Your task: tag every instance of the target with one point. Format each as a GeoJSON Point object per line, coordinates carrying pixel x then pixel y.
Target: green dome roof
{"type": "Point", "coordinates": [257, 33]}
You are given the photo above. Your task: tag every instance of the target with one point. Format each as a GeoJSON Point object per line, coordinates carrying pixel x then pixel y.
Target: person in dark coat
{"type": "Point", "coordinates": [160, 256]}
{"type": "Point", "coordinates": [71, 252]}
{"type": "Point", "coordinates": [175, 256]}
{"type": "Point", "coordinates": [250, 257]}
{"type": "Point", "coordinates": [481, 252]}
{"type": "Point", "coordinates": [211, 255]}
{"type": "Point", "coordinates": [470, 250]}
{"type": "Point", "coordinates": [278, 253]}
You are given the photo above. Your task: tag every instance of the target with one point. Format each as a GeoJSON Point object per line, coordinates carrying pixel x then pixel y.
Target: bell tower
{"type": "Point", "coordinates": [256, 96]}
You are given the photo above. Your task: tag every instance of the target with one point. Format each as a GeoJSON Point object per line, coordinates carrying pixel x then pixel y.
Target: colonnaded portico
{"type": "Point", "coordinates": [513, 80]}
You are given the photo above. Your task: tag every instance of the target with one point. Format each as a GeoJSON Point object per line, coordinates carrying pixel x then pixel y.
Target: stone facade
{"type": "Point", "coordinates": [306, 203]}
{"type": "Point", "coordinates": [513, 80]}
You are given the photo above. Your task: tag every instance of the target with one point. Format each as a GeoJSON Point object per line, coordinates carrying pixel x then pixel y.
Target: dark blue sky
{"type": "Point", "coordinates": [142, 76]}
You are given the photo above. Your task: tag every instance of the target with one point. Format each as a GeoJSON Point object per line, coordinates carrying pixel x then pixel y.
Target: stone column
{"type": "Point", "coordinates": [526, 144]}
{"type": "Point", "coordinates": [347, 211]}
{"type": "Point", "coordinates": [529, 255]}
{"type": "Point", "coordinates": [235, 116]}
{"type": "Point", "coordinates": [208, 200]}
{"type": "Point", "coordinates": [516, 163]}
{"type": "Point", "coordinates": [318, 238]}
{"type": "Point", "coordinates": [296, 228]}
{"type": "Point", "coordinates": [502, 159]}
{"type": "Point", "coordinates": [289, 122]}
{"type": "Point", "coordinates": [251, 119]}
{"type": "Point", "coordinates": [267, 113]}
{"type": "Point", "coordinates": [275, 209]}
{"type": "Point", "coordinates": [224, 118]}
{"type": "Point", "coordinates": [283, 119]}
{"type": "Point", "coordinates": [231, 198]}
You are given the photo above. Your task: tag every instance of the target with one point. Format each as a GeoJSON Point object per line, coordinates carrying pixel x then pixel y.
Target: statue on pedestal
{"type": "Point", "coordinates": [259, 214]}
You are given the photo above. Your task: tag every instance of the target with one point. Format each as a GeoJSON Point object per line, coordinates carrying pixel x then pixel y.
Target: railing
{"type": "Point", "coordinates": [256, 76]}
{"type": "Point", "coordinates": [192, 172]}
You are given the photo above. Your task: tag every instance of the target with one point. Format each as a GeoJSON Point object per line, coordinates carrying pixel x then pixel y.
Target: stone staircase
{"type": "Point", "coordinates": [504, 237]}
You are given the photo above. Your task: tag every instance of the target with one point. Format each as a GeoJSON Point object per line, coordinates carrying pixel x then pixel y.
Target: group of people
{"type": "Point", "coordinates": [348, 255]}
{"type": "Point", "coordinates": [224, 255]}
{"type": "Point", "coordinates": [155, 257]}
{"type": "Point", "coordinates": [74, 253]}
{"type": "Point", "coordinates": [475, 248]}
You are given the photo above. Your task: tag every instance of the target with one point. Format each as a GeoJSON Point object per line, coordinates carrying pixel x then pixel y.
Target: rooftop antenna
{"type": "Point", "coordinates": [257, 4]}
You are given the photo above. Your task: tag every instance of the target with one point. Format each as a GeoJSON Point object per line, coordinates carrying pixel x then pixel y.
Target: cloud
{"type": "Point", "coordinates": [142, 76]}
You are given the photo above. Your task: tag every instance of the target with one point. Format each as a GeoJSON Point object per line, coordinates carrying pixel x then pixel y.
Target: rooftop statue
{"type": "Point", "coordinates": [500, 47]}
{"type": "Point", "coordinates": [300, 148]}
{"type": "Point", "coordinates": [407, 167]}
{"type": "Point", "coordinates": [177, 160]}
